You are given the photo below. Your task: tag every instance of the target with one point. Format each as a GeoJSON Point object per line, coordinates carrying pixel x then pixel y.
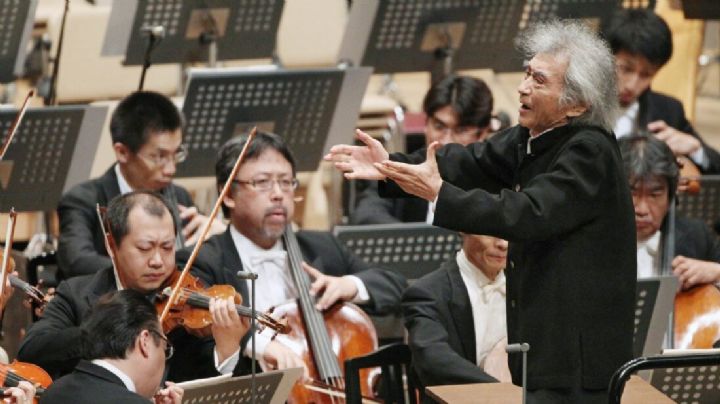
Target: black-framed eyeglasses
{"type": "Point", "coordinates": [266, 184]}
{"type": "Point", "coordinates": [162, 158]}
{"type": "Point", "coordinates": [169, 348]}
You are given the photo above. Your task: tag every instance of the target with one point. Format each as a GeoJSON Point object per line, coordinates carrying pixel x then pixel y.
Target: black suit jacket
{"type": "Point", "coordinates": [372, 209]}
{"type": "Point", "coordinates": [54, 341]}
{"type": "Point", "coordinates": [218, 262]}
{"type": "Point", "coordinates": [90, 384]}
{"type": "Point", "coordinates": [564, 205]}
{"type": "Point", "coordinates": [81, 247]}
{"type": "Point", "coordinates": [694, 239]}
{"type": "Point", "coordinates": [655, 107]}
{"type": "Point", "coordinates": [441, 332]}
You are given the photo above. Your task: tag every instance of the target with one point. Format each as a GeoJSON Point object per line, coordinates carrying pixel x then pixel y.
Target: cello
{"type": "Point", "coordinates": [697, 309]}
{"type": "Point", "coordinates": [325, 339]}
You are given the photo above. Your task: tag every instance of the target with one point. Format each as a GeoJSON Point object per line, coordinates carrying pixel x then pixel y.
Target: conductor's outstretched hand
{"type": "Point", "coordinates": [357, 162]}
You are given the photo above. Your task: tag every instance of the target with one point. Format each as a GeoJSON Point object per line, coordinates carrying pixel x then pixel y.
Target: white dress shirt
{"type": "Point", "coordinates": [648, 257]}
{"type": "Point", "coordinates": [487, 300]}
{"type": "Point", "coordinates": [127, 381]}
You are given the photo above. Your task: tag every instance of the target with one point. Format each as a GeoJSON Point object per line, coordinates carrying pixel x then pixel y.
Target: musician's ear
{"type": "Point", "coordinates": [142, 343]}
{"type": "Point", "coordinates": [122, 153]}
{"type": "Point", "coordinates": [228, 201]}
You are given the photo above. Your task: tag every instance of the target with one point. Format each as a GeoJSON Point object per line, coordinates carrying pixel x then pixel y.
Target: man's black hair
{"type": "Point", "coordinates": [142, 114]}
{"type": "Point", "coordinates": [645, 157]}
{"type": "Point", "coordinates": [640, 32]}
{"type": "Point", "coordinates": [118, 211]}
{"type": "Point", "coordinates": [469, 97]}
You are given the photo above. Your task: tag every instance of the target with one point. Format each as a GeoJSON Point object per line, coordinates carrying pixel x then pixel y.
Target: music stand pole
{"type": "Point", "coordinates": [155, 34]}
{"type": "Point", "coordinates": [524, 348]}
{"type": "Point", "coordinates": [252, 277]}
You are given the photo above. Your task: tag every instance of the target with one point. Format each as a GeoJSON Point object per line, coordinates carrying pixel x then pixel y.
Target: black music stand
{"type": "Point", "coordinates": [273, 387]}
{"type": "Point", "coordinates": [311, 109]}
{"type": "Point", "coordinates": [244, 29]}
{"type": "Point", "coordinates": [701, 9]}
{"type": "Point", "coordinates": [16, 22]}
{"type": "Point", "coordinates": [705, 205]}
{"type": "Point", "coordinates": [411, 249]}
{"type": "Point", "coordinates": [653, 304]}
{"type": "Point", "coordinates": [406, 36]}
{"type": "Point", "coordinates": [39, 164]}
{"type": "Point", "coordinates": [691, 384]}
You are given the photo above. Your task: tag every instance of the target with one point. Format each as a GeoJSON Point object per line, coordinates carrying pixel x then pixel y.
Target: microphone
{"type": "Point", "coordinates": [157, 31]}
{"type": "Point", "coordinates": [247, 275]}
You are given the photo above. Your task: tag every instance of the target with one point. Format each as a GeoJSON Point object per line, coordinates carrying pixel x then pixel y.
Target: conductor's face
{"type": "Point", "coordinates": [650, 198]}
{"type": "Point", "coordinates": [153, 166]}
{"type": "Point", "coordinates": [146, 255]}
{"type": "Point", "coordinates": [261, 201]}
{"type": "Point", "coordinates": [540, 93]}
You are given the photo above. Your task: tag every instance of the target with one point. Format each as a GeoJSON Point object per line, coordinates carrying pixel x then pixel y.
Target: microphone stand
{"type": "Point", "coordinates": [51, 94]}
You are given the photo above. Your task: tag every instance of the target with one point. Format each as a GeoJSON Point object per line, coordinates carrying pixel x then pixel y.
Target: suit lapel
{"type": "Point", "coordinates": [461, 311]}
{"type": "Point", "coordinates": [231, 263]}
{"type": "Point", "coordinates": [102, 282]}
{"type": "Point", "coordinates": [109, 185]}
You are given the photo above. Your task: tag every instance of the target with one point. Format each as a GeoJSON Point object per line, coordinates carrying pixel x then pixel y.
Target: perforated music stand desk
{"type": "Point", "coordinates": [310, 109]}
{"type": "Point", "coordinates": [39, 165]}
{"type": "Point", "coordinates": [654, 301]}
{"type": "Point", "coordinates": [403, 36]}
{"type": "Point", "coordinates": [636, 391]}
{"type": "Point", "coordinates": [689, 385]}
{"type": "Point", "coordinates": [705, 205]}
{"type": "Point", "coordinates": [272, 388]}
{"type": "Point", "coordinates": [701, 9]}
{"type": "Point", "coordinates": [411, 249]}
{"type": "Point", "coordinates": [246, 29]}
{"type": "Point", "coordinates": [16, 22]}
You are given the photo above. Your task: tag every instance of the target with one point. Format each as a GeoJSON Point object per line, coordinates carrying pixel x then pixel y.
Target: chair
{"type": "Point", "coordinates": [391, 359]}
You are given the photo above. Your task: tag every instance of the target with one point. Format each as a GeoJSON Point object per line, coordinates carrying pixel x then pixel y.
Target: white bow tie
{"type": "Point", "coordinates": [489, 289]}
{"type": "Point", "coordinates": [276, 257]}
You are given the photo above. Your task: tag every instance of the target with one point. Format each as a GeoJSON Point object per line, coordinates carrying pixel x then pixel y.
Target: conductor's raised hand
{"type": "Point", "coordinates": [357, 161]}
{"type": "Point", "coordinates": [422, 180]}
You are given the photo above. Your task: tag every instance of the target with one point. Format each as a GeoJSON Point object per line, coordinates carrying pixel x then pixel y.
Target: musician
{"type": "Point", "coordinates": [259, 205]}
{"type": "Point", "coordinates": [642, 44]}
{"type": "Point", "coordinates": [458, 110]}
{"type": "Point", "coordinates": [653, 176]}
{"type": "Point", "coordinates": [143, 245]}
{"type": "Point", "coordinates": [455, 316]}
{"type": "Point", "coordinates": [146, 130]}
{"type": "Point", "coordinates": [124, 356]}
{"type": "Point", "coordinates": [554, 187]}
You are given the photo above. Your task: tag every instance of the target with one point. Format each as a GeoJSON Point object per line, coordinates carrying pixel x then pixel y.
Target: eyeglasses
{"type": "Point", "coordinates": [441, 126]}
{"type": "Point", "coordinates": [163, 158]}
{"type": "Point", "coordinates": [169, 348]}
{"type": "Point", "coordinates": [266, 184]}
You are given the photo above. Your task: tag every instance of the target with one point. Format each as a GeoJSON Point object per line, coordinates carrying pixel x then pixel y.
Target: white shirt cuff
{"type": "Point", "coordinates": [700, 158]}
{"type": "Point", "coordinates": [228, 364]}
{"type": "Point", "coordinates": [362, 295]}
{"type": "Point", "coordinates": [262, 339]}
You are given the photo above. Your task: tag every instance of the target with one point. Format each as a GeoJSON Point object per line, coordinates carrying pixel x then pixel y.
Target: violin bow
{"type": "Point", "coordinates": [15, 125]}
{"type": "Point", "coordinates": [8, 246]}
{"type": "Point", "coordinates": [206, 229]}
{"type": "Point", "coordinates": [107, 236]}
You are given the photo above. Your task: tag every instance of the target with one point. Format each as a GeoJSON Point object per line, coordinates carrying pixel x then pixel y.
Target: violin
{"type": "Point", "coordinates": [191, 309]}
{"type": "Point", "coordinates": [11, 375]}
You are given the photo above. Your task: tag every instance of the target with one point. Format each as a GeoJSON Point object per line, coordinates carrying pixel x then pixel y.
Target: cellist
{"type": "Point", "coordinates": [653, 175]}
{"type": "Point", "coordinates": [143, 247]}
{"type": "Point", "coordinates": [259, 206]}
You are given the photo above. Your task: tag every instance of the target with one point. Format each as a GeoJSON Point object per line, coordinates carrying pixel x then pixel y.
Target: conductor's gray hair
{"type": "Point", "coordinates": [590, 75]}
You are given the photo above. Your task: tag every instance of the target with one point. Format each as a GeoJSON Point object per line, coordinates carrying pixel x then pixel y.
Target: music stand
{"type": "Point", "coordinates": [653, 304]}
{"type": "Point", "coordinates": [39, 165]}
{"type": "Point", "coordinates": [311, 109]}
{"type": "Point", "coordinates": [691, 384]}
{"type": "Point", "coordinates": [272, 388]}
{"type": "Point", "coordinates": [16, 22]}
{"type": "Point", "coordinates": [408, 36]}
{"type": "Point", "coordinates": [411, 249]}
{"type": "Point", "coordinates": [701, 9]}
{"type": "Point", "coordinates": [704, 205]}
{"type": "Point", "coordinates": [237, 29]}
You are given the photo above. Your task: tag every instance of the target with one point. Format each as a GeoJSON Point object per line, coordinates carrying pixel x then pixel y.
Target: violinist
{"type": "Point", "coordinates": [124, 356]}
{"type": "Point", "coordinates": [455, 316]}
{"type": "Point", "coordinates": [259, 205]}
{"type": "Point", "coordinates": [642, 44]}
{"type": "Point", "coordinates": [143, 247]}
{"type": "Point", "coordinates": [146, 130]}
{"type": "Point", "coordinates": [653, 176]}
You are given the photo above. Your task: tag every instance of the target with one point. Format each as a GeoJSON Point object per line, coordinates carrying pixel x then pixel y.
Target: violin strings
{"type": "Point", "coordinates": [244, 311]}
